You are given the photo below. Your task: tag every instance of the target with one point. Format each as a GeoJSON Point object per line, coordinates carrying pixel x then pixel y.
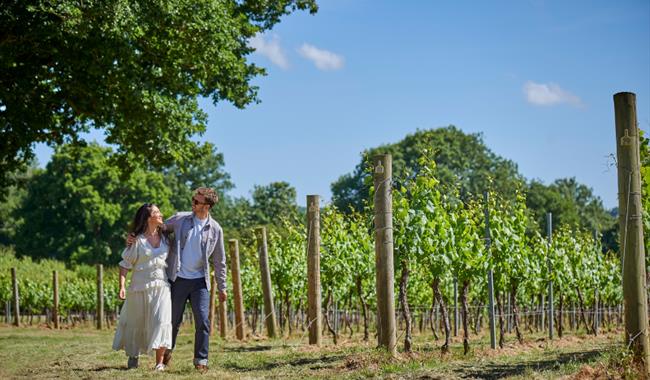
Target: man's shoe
{"type": "Point", "coordinates": [201, 368]}
{"type": "Point", "coordinates": [132, 362]}
{"type": "Point", "coordinates": [167, 357]}
{"type": "Point", "coordinates": [159, 367]}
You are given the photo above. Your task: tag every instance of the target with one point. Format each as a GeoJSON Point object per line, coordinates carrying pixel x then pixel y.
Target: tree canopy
{"type": "Point", "coordinates": [275, 202]}
{"type": "Point", "coordinates": [570, 202]}
{"type": "Point", "coordinates": [78, 209]}
{"type": "Point", "coordinates": [134, 69]}
{"type": "Point", "coordinates": [462, 160]}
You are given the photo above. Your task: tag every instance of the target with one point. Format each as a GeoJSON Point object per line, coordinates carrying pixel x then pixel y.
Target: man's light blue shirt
{"type": "Point", "coordinates": [192, 263]}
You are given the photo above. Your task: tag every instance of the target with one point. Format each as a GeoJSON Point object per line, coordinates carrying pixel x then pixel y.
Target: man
{"type": "Point", "coordinates": [197, 239]}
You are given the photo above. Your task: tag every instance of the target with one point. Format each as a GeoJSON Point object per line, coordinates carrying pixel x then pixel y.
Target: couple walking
{"type": "Point", "coordinates": [170, 264]}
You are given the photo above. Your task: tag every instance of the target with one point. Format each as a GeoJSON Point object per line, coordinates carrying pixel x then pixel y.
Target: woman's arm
{"type": "Point", "coordinates": [123, 272]}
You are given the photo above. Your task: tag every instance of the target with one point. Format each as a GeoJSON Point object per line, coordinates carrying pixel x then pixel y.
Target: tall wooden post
{"type": "Point", "coordinates": [55, 309]}
{"type": "Point", "coordinates": [99, 316]}
{"type": "Point", "coordinates": [233, 247]}
{"type": "Point", "coordinates": [269, 308]}
{"type": "Point", "coordinates": [16, 305]}
{"type": "Point", "coordinates": [383, 203]}
{"type": "Point", "coordinates": [596, 295]}
{"type": "Point", "coordinates": [313, 269]}
{"type": "Point", "coordinates": [223, 319]}
{"type": "Point", "coordinates": [213, 306]}
{"type": "Point", "coordinates": [630, 214]}
{"type": "Point", "coordinates": [488, 242]}
{"type": "Point", "coordinates": [551, 312]}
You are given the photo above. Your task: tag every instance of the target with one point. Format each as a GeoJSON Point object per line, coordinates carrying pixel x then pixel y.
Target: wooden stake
{"type": "Point", "coordinates": [383, 204]}
{"type": "Point", "coordinates": [16, 301]}
{"type": "Point", "coordinates": [313, 270]}
{"type": "Point", "coordinates": [269, 308]}
{"type": "Point", "coordinates": [99, 317]}
{"type": "Point", "coordinates": [630, 216]}
{"type": "Point", "coordinates": [55, 309]}
{"type": "Point", "coordinates": [233, 246]}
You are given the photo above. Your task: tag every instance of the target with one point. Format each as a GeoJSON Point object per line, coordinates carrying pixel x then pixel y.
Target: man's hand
{"type": "Point", "coordinates": [223, 296]}
{"type": "Point", "coordinates": [122, 294]}
{"type": "Point", "coordinates": [130, 239]}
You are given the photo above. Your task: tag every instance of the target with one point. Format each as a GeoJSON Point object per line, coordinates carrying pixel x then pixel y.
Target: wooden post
{"type": "Point", "coordinates": [549, 234]}
{"type": "Point", "coordinates": [383, 204]}
{"type": "Point", "coordinates": [55, 309]}
{"type": "Point", "coordinates": [99, 317]}
{"type": "Point", "coordinates": [313, 270]}
{"type": "Point", "coordinates": [630, 216]}
{"type": "Point", "coordinates": [596, 315]}
{"type": "Point", "coordinates": [233, 246]}
{"type": "Point", "coordinates": [223, 319]}
{"type": "Point", "coordinates": [455, 306]}
{"type": "Point", "coordinates": [488, 242]}
{"type": "Point", "coordinates": [508, 312]}
{"type": "Point", "coordinates": [16, 305]}
{"type": "Point", "coordinates": [542, 304]}
{"type": "Point", "coordinates": [269, 308]}
{"type": "Point", "coordinates": [596, 295]}
{"type": "Point", "coordinates": [211, 310]}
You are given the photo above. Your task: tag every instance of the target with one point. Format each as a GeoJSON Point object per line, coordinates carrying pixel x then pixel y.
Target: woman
{"type": "Point", "coordinates": [145, 320]}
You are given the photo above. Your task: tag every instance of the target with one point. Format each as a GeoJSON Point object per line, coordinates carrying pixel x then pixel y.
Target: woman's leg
{"type": "Point", "coordinates": [160, 353]}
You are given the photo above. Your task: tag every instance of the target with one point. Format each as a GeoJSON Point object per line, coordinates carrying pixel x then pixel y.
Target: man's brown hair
{"type": "Point", "coordinates": [211, 197]}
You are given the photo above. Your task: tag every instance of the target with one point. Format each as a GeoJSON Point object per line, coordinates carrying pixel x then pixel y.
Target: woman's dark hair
{"type": "Point", "coordinates": [139, 225]}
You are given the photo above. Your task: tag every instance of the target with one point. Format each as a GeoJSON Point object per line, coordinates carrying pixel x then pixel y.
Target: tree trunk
{"type": "Point", "coordinates": [348, 321]}
{"type": "Point", "coordinates": [327, 318]}
{"type": "Point", "coordinates": [463, 300]}
{"type": "Point", "coordinates": [581, 305]}
{"type": "Point", "coordinates": [515, 311]}
{"type": "Point", "coordinates": [444, 315]}
{"type": "Point", "coordinates": [364, 307]}
{"type": "Point", "coordinates": [403, 298]}
{"type": "Point", "coordinates": [432, 319]}
{"type": "Point", "coordinates": [288, 307]}
{"type": "Point", "coordinates": [559, 323]}
{"type": "Point", "coordinates": [502, 338]}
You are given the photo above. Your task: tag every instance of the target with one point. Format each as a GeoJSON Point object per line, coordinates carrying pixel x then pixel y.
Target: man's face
{"type": "Point", "coordinates": [199, 205]}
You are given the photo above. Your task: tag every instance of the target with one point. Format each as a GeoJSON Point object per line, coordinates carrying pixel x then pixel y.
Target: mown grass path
{"type": "Point", "coordinates": [84, 353]}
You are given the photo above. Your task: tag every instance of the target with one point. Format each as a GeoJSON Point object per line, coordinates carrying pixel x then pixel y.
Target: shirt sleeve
{"type": "Point", "coordinates": [130, 256]}
{"type": "Point", "coordinates": [173, 221]}
{"type": "Point", "coordinates": [219, 261]}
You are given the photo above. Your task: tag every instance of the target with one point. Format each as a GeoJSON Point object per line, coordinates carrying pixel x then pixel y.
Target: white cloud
{"type": "Point", "coordinates": [542, 94]}
{"type": "Point", "coordinates": [323, 59]}
{"type": "Point", "coordinates": [271, 49]}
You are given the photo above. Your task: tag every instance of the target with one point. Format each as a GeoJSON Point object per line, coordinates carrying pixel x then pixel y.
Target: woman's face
{"type": "Point", "coordinates": [156, 216]}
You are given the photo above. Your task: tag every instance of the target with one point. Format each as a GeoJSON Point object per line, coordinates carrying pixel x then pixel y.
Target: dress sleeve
{"type": "Point", "coordinates": [129, 255]}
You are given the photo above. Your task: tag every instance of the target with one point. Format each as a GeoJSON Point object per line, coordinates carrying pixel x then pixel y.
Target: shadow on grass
{"type": "Point", "coordinates": [106, 368]}
{"type": "Point", "coordinates": [498, 371]}
{"type": "Point", "coordinates": [315, 363]}
{"type": "Point", "coordinates": [247, 349]}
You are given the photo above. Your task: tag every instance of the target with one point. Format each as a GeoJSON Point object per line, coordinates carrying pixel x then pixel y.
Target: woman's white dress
{"type": "Point", "coordinates": [145, 320]}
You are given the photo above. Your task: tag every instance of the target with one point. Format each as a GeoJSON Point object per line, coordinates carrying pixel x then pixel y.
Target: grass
{"type": "Point", "coordinates": [85, 353]}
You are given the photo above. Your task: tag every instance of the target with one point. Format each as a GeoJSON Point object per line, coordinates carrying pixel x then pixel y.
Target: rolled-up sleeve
{"type": "Point", "coordinates": [219, 261]}
{"type": "Point", "coordinates": [129, 256]}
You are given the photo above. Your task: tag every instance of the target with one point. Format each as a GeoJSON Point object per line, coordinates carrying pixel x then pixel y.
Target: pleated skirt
{"type": "Point", "coordinates": [145, 321]}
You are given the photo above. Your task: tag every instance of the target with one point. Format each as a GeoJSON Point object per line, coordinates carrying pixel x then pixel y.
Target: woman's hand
{"type": "Point", "coordinates": [122, 294]}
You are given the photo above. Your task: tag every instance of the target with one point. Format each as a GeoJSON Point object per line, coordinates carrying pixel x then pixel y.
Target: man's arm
{"type": "Point", "coordinates": [173, 221]}
{"type": "Point", "coordinates": [219, 263]}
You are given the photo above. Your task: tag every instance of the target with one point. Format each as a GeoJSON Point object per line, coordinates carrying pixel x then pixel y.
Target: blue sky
{"type": "Point", "coordinates": [535, 77]}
